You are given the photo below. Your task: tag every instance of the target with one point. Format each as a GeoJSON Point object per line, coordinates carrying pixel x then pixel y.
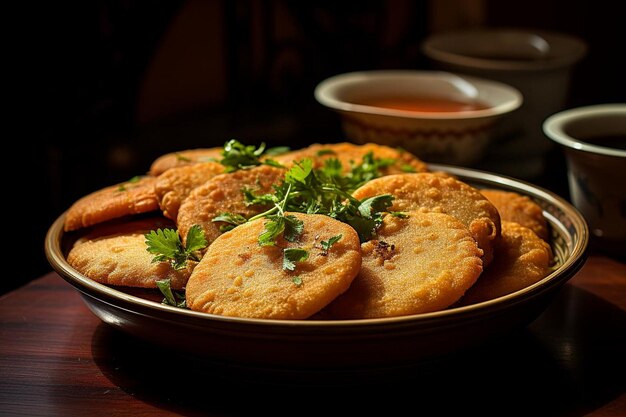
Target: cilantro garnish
{"type": "Point", "coordinates": [297, 280]}
{"type": "Point", "coordinates": [293, 255]}
{"type": "Point", "coordinates": [326, 244]}
{"type": "Point", "coordinates": [237, 156]}
{"type": "Point", "coordinates": [305, 189]}
{"type": "Point", "coordinates": [133, 180]}
{"type": "Point", "coordinates": [277, 150]}
{"type": "Point", "coordinates": [181, 157]}
{"type": "Point", "coordinates": [172, 298]}
{"type": "Point", "coordinates": [166, 245]}
{"type": "Point", "coordinates": [323, 191]}
{"type": "Point", "coordinates": [232, 219]}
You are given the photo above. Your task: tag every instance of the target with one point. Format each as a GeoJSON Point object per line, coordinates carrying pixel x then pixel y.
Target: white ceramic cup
{"type": "Point", "coordinates": [455, 137]}
{"type": "Point", "coordinates": [596, 171]}
{"type": "Point", "coordinates": [537, 63]}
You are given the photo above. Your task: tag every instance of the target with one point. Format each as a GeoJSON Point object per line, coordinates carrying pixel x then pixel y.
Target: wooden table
{"type": "Point", "coordinates": [58, 359]}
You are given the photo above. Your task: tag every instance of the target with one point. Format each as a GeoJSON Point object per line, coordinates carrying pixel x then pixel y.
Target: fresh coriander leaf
{"type": "Point", "coordinates": [332, 167]}
{"type": "Point", "coordinates": [326, 244]}
{"type": "Point", "coordinates": [164, 285]}
{"type": "Point", "coordinates": [323, 152]}
{"type": "Point", "coordinates": [299, 172]}
{"type": "Point", "coordinates": [182, 158]}
{"type": "Point", "coordinates": [273, 228]}
{"type": "Point", "coordinates": [166, 245]}
{"type": "Point", "coordinates": [121, 188]}
{"type": "Point", "coordinates": [207, 159]}
{"type": "Point", "coordinates": [297, 280]}
{"type": "Point", "coordinates": [375, 204]}
{"type": "Point", "coordinates": [237, 156]}
{"type": "Point", "coordinates": [171, 298]}
{"type": "Point", "coordinates": [293, 255]}
{"type": "Point", "coordinates": [365, 228]}
{"type": "Point", "coordinates": [164, 242]}
{"type": "Point", "coordinates": [273, 163]}
{"type": "Point", "coordinates": [134, 179]}
{"type": "Point", "coordinates": [195, 239]}
{"type": "Point", "coordinates": [399, 214]}
{"type": "Point", "coordinates": [277, 150]}
{"type": "Point", "coordinates": [407, 168]}
{"type": "Point", "coordinates": [293, 228]}
{"type": "Point", "coordinates": [230, 218]}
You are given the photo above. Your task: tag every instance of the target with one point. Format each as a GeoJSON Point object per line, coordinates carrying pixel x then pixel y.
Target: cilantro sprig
{"type": "Point", "coordinates": [167, 246]}
{"type": "Point", "coordinates": [171, 297]}
{"type": "Point", "coordinates": [236, 155]}
{"type": "Point", "coordinates": [326, 190]}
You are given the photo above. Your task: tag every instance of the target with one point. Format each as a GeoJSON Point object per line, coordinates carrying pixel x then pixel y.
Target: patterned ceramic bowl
{"type": "Point", "coordinates": [441, 117]}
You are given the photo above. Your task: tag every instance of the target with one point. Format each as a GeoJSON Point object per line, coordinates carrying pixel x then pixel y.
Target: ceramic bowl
{"type": "Point", "coordinates": [448, 137]}
{"type": "Point", "coordinates": [538, 63]}
{"type": "Point", "coordinates": [593, 139]}
{"type": "Point", "coordinates": [351, 345]}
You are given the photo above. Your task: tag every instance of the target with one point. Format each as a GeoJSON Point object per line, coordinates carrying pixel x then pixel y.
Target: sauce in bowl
{"type": "Point", "coordinates": [419, 104]}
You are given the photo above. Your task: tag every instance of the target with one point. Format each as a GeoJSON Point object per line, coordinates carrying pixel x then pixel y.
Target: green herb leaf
{"type": "Point", "coordinates": [297, 280]}
{"type": "Point", "coordinates": [134, 179]}
{"type": "Point", "coordinates": [166, 245]}
{"type": "Point", "coordinates": [195, 239]}
{"type": "Point", "coordinates": [375, 204]}
{"type": "Point", "coordinates": [273, 228]}
{"type": "Point", "coordinates": [277, 150]}
{"type": "Point", "coordinates": [121, 188]}
{"type": "Point", "coordinates": [237, 156]}
{"type": "Point", "coordinates": [273, 163]}
{"type": "Point", "coordinates": [182, 158]}
{"type": "Point", "coordinates": [323, 152]}
{"type": "Point", "coordinates": [407, 168]}
{"type": "Point", "coordinates": [293, 228]}
{"type": "Point", "coordinates": [399, 214]}
{"type": "Point", "coordinates": [326, 244]}
{"type": "Point", "coordinates": [230, 218]}
{"type": "Point", "coordinates": [176, 299]}
{"type": "Point", "coordinates": [164, 242]}
{"type": "Point", "coordinates": [299, 172]}
{"type": "Point", "coordinates": [293, 255]}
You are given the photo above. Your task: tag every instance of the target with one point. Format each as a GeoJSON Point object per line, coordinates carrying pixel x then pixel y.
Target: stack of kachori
{"type": "Point", "coordinates": [224, 236]}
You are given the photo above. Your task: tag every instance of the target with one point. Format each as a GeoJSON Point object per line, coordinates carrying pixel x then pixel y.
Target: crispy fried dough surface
{"type": "Point", "coordinates": [174, 185]}
{"type": "Point", "coordinates": [238, 277]}
{"type": "Point", "coordinates": [419, 264]}
{"type": "Point", "coordinates": [223, 193]}
{"type": "Point", "coordinates": [443, 194]}
{"type": "Point", "coordinates": [131, 197]}
{"type": "Point", "coordinates": [183, 158]}
{"type": "Point", "coordinates": [117, 255]}
{"type": "Point", "coordinates": [521, 259]}
{"type": "Point", "coordinates": [514, 207]}
{"type": "Point", "coordinates": [349, 154]}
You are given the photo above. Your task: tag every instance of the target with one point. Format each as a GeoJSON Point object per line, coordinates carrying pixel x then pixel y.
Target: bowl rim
{"type": "Point", "coordinates": [85, 285]}
{"type": "Point", "coordinates": [324, 94]}
{"type": "Point", "coordinates": [554, 127]}
{"type": "Point", "coordinates": [431, 47]}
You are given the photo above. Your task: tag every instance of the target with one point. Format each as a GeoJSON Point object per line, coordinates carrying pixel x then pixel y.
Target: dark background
{"type": "Point", "coordinates": [111, 85]}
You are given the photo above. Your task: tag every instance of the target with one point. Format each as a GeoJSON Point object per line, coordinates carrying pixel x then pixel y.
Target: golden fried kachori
{"type": "Point", "coordinates": [116, 255]}
{"type": "Point", "coordinates": [131, 197]}
{"type": "Point", "coordinates": [421, 263]}
{"type": "Point", "coordinates": [239, 277]}
{"type": "Point", "coordinates": [444, 194]}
